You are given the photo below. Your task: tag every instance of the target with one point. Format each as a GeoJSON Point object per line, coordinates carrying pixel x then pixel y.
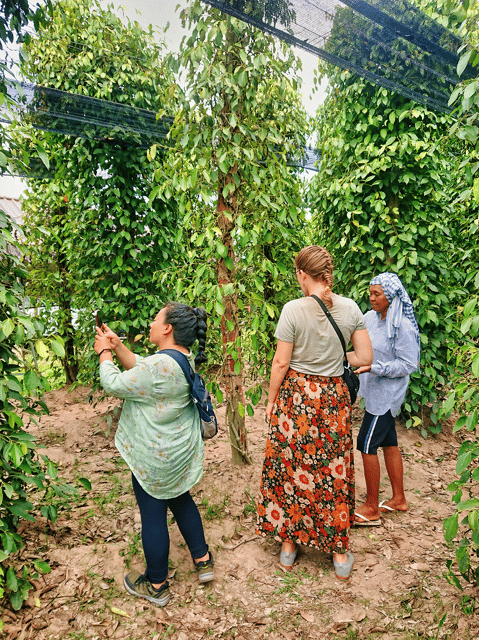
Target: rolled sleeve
{"type": "Point", "coordinates": [405, 360]}
{"type": "Point", "coordinates": [386, 385]}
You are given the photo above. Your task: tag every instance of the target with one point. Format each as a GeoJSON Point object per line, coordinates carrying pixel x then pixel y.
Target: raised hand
{"type": "Point", "coordinates": [115, 340]}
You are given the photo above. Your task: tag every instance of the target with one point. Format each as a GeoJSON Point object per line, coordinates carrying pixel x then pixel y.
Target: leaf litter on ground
{"type": "Point", "coordinates": [397, 589]}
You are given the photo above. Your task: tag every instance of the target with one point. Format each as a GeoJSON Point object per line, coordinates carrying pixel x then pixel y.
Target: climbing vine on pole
{"type": "Point", "coordinates": [238, 123]}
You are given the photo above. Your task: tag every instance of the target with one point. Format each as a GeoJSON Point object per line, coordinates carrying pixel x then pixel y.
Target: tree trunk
{"type": "Point", "coordinates": [269, 296]}
{"type": "Point", "coordinates": [70, 361]}
{"type": "Point", "coordinates": [232, 369]}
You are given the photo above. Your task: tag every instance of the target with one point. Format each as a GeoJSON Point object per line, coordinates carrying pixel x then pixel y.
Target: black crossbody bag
{"type": "Point", "coordinates": [349, 377]}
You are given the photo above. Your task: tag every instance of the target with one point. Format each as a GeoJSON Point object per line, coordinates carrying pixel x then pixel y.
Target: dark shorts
{"type": "Point", "coordinates": [377, 431]}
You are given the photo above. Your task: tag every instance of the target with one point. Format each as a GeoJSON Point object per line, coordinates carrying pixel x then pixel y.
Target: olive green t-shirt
{"type": "Point", "coordinates": [317, 349]}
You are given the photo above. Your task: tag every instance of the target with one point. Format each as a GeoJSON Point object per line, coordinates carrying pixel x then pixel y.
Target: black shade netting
{"type": "Point", "coordinates": [81, 116]}
{"type": "Point", "coordinates": [388, 42]}
{"type": "Point", "coordinates": [84, 117]}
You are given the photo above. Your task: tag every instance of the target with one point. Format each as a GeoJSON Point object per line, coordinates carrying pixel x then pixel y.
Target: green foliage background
{"type": "Point", "coordinates": [23, 471]}
{"type": "Point", "coordinates": [95, 238]}
{"type": "Point", "coordinates": [383, 201]}
{"type": "Point", "coordinates": [121, 230]}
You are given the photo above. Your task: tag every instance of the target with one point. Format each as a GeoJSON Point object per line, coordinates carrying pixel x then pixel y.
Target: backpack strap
{"type": "Point", "coordinates": [183, 362]}
{"type": "Point", "coordinates": [331, 320]}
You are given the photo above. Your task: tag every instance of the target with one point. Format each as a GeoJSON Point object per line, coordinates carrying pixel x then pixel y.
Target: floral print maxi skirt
{"type": "Point", "coordinates": [307, 485]}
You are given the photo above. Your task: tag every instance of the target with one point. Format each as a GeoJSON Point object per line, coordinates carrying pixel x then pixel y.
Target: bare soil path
{"type": "Point", "coordinates": [397, 589]}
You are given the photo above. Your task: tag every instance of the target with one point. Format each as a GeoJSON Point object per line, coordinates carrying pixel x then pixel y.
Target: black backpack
{"type": "Point", "coordinates": [199, 394]}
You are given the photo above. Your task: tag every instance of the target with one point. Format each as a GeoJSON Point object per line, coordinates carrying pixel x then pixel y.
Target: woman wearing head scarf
{"type": "Point", "coordinates": [394, 334]}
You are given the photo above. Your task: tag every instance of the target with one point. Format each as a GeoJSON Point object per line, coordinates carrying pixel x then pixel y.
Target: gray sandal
{"type": "Point", "coordinates": [286, 560]}
{"type": "Point", "coordinates": [343, 569]}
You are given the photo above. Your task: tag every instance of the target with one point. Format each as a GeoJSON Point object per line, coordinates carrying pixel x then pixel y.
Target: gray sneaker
{"type": "Point", "coordinates": [139, 585]}
{"type": "Point", "coordinates": [205, 569]}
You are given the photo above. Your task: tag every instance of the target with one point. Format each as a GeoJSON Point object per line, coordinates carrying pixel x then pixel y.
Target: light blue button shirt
{"type": "Point", "coordinates": [385, 386]}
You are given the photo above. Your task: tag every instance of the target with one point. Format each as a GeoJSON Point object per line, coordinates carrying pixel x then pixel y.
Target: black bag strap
{"type": "Point", "coordinates": [183, 361]}
{"type": "Point", "coordinates": [331, 320]}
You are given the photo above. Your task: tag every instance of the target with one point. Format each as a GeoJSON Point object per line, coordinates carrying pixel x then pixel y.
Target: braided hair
{"type": "Point", "coordinates": [317, 262]}
{"type": "Point", "coordinates": [189, 325]}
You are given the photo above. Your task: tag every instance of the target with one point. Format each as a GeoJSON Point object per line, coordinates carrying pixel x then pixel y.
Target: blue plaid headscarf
{"type": "Point", "coordinates": [399, 304]}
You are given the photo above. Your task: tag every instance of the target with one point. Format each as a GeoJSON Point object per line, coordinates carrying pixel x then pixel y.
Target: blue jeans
{"type": "Point", "coordinates": [154, 529]}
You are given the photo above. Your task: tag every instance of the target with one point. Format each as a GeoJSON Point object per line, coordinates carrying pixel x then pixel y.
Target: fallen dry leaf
{"type": "Point", "coordinates": [39, 623]}
{"type": "Point", "coordinates": [160, 615]}
{"type": "Point", "coordinates": [346, 616]}
{"type": "Point", "coordinates": [421, 566]}
{"type": "Point", "coordinates": [307, 616]}
{"type": "Point", "coordinates": [120, 612]}
{"type": "Point", "coordinates": [112, 627]}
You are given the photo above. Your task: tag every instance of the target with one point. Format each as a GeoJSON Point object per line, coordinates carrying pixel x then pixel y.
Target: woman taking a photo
{"type": "Point", "coordinates": [159, 437]}
{"type": "Point", "coordinates": [307, 486]}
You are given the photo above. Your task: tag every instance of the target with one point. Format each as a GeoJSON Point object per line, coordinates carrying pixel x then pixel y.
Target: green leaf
{"type": "Point", "coordinates": [31, 381]}
{"type": "Point", "coordinates": [20, 507]}
{"type": "Point", "coordinates": [57, 348]}
{"type": "Point", "coordinates": [475, 189]}
{"type": "Point", "coordinates": [463, 462]}
{"type": "Point", "coordinates": [451, 527]}
{"type": "Point", "coordinates": [463, 62]}
{"type": "Point", "coordinates": [475, 365]}
{"type": "Point", "coordinates": [16, 600]}
{"type": "Point", "coordinates": [41, 566]}
{"type": "Point", "coordinates": [454, 95]}
{"type": "Point", "coordinates": [43, 155]}
{"type": "Point", "coordinates": [7, 327]}
{"type": "Point", "coordinates": [470, 90]}
{"type": "Point", "coordinates": [221, 249]}
{"type": "Point", "coordinates": [85, 483]}
{"type": "Point", "coordinates": [448, 405]}
{"type": "Point", "coordinates": [270, 310]}
{"type": "Point", "coordinates": [460, 422]}
{"type": "Point", "coordinates": [471, 421]}
{"type": "Point", "coordinates": [473, 519]}
{"type": "Point", "coordinates": [11, 580]}
{"type": "Point", "coordinates": [51, 470]}
{"type": "Point", "coordinates": [472, 503]}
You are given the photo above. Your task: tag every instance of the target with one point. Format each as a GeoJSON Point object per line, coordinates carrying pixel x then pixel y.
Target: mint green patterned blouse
{"type": "Point", "coordinates": [159, 434]}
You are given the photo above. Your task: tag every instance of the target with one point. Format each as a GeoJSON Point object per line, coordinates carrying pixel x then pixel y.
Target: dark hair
{"type": "Point", "coordinates": [317, 262]}
{"type": "Point", "coordinates": [189, 325]}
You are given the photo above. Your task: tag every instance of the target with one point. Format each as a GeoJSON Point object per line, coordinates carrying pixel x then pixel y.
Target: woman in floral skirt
{"type": "Point", "coordinates": [307, 486]}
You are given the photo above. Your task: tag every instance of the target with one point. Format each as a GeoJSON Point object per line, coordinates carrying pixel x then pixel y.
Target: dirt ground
{"type": "Point", "coordinates": [397, 589]}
